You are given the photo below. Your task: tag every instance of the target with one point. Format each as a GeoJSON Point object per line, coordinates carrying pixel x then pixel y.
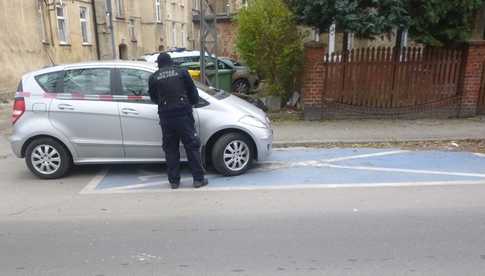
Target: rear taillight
{"type": "Point", "coordinates": [18, 109]}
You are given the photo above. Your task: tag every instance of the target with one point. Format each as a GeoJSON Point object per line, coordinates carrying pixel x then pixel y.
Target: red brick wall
{"type": "Point", "coordinates": [226, 31]}
{"type": "Point", "coordinates": [313, 82]}
{"type": "Point", "coordinates": [464, 105]}
{"type": "Point", "coordinates": [226, 37]}
{"type": "Point", "coordinates": [472, 78]}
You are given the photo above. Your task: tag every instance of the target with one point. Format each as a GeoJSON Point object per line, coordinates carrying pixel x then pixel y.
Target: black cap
{"type": "Point", "coordinates": [164, 59]}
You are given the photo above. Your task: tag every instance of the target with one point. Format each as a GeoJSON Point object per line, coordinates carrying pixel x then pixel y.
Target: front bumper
{"type": "Point", "coordinates": [264, 143]}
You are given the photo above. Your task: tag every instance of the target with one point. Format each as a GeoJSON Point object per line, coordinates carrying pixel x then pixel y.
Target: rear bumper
{"type": "Point", "coordinates": [16, 144]}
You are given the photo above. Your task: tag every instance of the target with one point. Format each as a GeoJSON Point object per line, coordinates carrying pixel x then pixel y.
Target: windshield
{"type": "Point", "coordinates": [214, 92]}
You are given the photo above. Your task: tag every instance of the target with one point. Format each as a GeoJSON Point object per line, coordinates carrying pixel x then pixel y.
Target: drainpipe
{"type": "Point", "coordinates": [96, 34]}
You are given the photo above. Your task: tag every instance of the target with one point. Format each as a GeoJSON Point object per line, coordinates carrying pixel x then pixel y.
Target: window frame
{"type": "Point", "coordinates": [63, 18]}
{"type": "Point", "coordinates": [132, 30]}
{"type": "Point", "coordinates": [86, 22]}
{"type": "Point", "coordinates": [158, 11]}
{"type": "Point", "coordinates": [120, 8]}
{"type": "Point", "coordinates": [41, 12]}
{"type": "Point", "coordinates": [174, 34]}
{"type": "Point", "coordinates": [183, 34]}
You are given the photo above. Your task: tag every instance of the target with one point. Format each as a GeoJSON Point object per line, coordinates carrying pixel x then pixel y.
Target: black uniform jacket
{"type": "Point", "coordinates": [173, 90]}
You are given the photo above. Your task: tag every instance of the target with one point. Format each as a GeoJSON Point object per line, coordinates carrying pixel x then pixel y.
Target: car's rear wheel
{"type": "Point", "coordinates": [241, 86]}
{"type": "Point", "coordinates": [47, 158]}
{"type": "Point", "coordinates": [232, 154]}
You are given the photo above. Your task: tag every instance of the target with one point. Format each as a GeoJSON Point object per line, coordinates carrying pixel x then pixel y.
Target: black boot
{"type": "Point", "coordinates": [174, 185]}
{"type": "Point", "coordinates": [200, 183]}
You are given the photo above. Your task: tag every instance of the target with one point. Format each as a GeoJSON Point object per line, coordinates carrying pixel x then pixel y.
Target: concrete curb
{"type": "Point", "coordinates": [313, 143]}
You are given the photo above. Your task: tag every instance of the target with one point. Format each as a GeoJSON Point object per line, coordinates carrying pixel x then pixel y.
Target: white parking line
{"type": "Point", "coordinates": [402, 170]}
{"type": "Point", "coordinates": [276, 165]}
{"type": "Point", "coordinates": [296, 187]}
{"type": "Point", "coordinates": [91, 187]}
{"type": "Point", "coordinates": [377, 154]}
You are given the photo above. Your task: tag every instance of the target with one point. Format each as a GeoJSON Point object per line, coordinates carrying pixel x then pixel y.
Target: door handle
{"type": "Point", "coordinates": [129, 111]}
{"type": "Point", "coordinates": [65, 107]}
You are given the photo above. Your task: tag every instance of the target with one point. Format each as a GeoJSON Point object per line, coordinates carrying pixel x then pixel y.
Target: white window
{"type": "Point", "coordinates": [158, 11]}
{"type": "Point", "coordinates": [183, 36]}
{"type": "Point", "coordinates": [84, 17]}
{"type": "Point", "coordinates": [131, 30]}
{"type": "Point", "coordinates": [43, 30]}
{"type": "Point", "coordinates": [195, 4]}
{"type": "Point", "coordinates": [120, 8]}
{"type": "Point", "coordinates": [62, 24]}
{"type": "Point", "coordinates": [174, 34]}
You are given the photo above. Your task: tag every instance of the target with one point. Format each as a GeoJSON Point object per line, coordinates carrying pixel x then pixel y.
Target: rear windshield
{"type": "Point", "coordinates": [214, 92]}
{"type": "Point", "coordinates": [49, 81]}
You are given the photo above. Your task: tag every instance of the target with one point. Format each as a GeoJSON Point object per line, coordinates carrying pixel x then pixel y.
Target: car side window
{"type": "Point", "coordinates": [89, 81]}
{"type": "Point", "coordinates": [134, 82]}
{"type": "Point", "coordinates": [48, 82]}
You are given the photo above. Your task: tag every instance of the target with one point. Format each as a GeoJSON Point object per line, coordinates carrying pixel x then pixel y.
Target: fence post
{"type": "Point", "coordinates": [313, 80]}
{"type": "Point", "coordinates": [474, 59]}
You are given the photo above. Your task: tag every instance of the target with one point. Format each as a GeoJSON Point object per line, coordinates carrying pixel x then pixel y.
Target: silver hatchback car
{"type": "Point", "coordinates": [100, 112]}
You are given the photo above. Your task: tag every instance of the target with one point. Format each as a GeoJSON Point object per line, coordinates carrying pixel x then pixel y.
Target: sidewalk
{"type": "Point", "coordinates": [297, 133]}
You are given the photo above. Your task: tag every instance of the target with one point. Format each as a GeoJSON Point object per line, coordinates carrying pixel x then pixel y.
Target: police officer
{"type": "Point", "coordinates": [173, 90]}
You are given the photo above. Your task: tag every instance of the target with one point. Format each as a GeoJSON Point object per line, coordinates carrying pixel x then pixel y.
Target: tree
{"type": "Point", "coordinates": [442, 22]}
{"type": "Point", "coordinates": [432, 22]}
{"type": "Point", "coordinates": [269, 41]}
{"type": "Point", "coordinates": [364, 18]}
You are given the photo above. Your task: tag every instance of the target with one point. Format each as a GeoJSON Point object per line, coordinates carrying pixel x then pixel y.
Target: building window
{"type": "Point", "coordinates": [62, 24]}
{"type": "Point", "coordinates": [174, 34]}
{"type": "Point", "coordinates": [158, 11]}
{"type": "Point", "coordinates": [43, 30]}
{"type": "Point", "coordinates": [84, 17]}
{"type": "Point", "coordinates": [183, 36]}
{"type": "Point", "coordinates": [120, 8]}
{"type": "Point", "coordinates": [131, 30]}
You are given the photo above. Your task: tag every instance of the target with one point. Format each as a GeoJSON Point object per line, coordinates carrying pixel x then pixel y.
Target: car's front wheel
{"type": "Point", "coordinates": [47, 158]}
{"type": "Point", "coordinates": [232, 154]}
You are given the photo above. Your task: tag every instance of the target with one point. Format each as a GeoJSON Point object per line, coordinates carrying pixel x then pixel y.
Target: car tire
{"type": "Point", "coordinates": [232, 154]}
{"type": "Point", "coordinates": [241, 86]}
{"type": "Point", "coordinates": [47, 158]}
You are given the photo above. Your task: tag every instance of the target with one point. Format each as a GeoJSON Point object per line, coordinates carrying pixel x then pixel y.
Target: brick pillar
{"type": "Point", "coordinates": [313, 80]}
{"type": "Point", "coordinates": [473, 66]}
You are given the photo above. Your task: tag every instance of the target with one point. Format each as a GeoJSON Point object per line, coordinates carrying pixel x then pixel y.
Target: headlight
{"type": "Point", "coordinates": [253, 121]}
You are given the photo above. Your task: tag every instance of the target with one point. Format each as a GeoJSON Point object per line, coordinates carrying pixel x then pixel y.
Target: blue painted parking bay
{"type": "Point", "coordinates": [313, 168]}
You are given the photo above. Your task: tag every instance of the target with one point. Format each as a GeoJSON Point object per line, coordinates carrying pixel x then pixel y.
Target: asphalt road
{"type": "Point", "coordinates": [49, 228]}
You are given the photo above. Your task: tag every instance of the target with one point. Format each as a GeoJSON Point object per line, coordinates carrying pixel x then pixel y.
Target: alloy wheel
{"type": "Point", "coordinates": [236, 155]}
{"type": "Point", "coordinates": [46, 159]}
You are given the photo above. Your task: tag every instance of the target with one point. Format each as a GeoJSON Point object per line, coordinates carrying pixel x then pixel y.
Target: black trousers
{"type": "Point", "coordinates": [178, 129]}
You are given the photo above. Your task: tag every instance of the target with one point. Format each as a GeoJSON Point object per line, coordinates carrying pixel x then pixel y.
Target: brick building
{"type": "Point", "coordinates": [39, 33]}
{"type": "Point", "coordinates": [144, 26]}
{"type": "Point", "coordinates": [225, 10]}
